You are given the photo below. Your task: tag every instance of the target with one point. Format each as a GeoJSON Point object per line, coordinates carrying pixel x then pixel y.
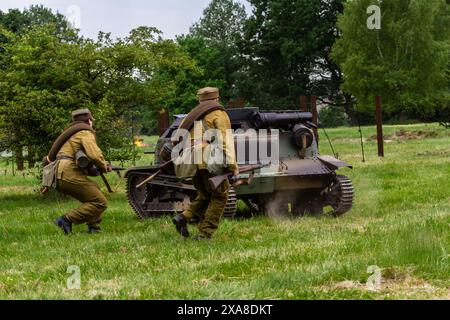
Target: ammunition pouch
{"type": "Point", "coordinates": [83, 161]}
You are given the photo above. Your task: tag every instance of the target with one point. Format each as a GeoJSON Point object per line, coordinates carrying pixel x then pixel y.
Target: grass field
{"type": "Point", "coordinates": [400, 223]}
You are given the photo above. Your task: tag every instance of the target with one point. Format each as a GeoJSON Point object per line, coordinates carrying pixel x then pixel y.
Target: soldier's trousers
{"type": "Point", "coordinates": [209, 204]}
{"type": "Point", "coordinates": [93, 205]}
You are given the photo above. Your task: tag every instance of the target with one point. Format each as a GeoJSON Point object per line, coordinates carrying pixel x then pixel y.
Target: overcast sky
{"type": "Point", "coordinates": [173, 17]}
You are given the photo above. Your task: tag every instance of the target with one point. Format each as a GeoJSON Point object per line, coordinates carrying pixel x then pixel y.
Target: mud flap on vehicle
{"type": "Point", "coordinates": [333, 163]}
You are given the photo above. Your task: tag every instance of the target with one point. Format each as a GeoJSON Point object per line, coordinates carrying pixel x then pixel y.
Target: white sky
{"type": "Point", "coordinates": [173, 17]}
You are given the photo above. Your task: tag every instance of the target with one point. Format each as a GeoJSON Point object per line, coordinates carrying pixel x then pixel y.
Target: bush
{"type": "Point", "coordinates": [332, 117]}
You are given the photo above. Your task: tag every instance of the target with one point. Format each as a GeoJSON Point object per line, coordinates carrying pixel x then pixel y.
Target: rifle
{"type": "Point", "coordinates": [216, 181]}
{"type": "Point", "coordinates": [153, 176]}
{"type": "Point", "coordinates": [84, 162]}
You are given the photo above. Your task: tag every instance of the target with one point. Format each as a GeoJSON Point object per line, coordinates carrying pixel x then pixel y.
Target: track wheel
{"type": "Point", "coordinates": [231, 206]}
{"type": "Point", "coordinates": [340, 195]}
{"type": "Point", "coordinates": [136, 197]}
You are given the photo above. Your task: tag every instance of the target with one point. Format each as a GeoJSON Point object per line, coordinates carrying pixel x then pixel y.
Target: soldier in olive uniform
{"type": "Point", "coordinates": [209, 205]}
{"type": "Point", "coordinates": [73, 181]}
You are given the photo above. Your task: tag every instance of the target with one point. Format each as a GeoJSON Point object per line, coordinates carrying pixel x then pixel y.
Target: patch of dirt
{"type": "Point", "coordinates": [347, 285]}
{"type": "Point", "coordinates": [395, 284]}
{"type": "Point", "coordinates": [435, 153]}
{"type": "Point", "coordinates": [14, 189]}
{"type": "Point", "coordinates": [403, 134]}
{"type": "Point", "coordinates": [100, 289]}
{"type": "Point", "coordinates": [203, 282]}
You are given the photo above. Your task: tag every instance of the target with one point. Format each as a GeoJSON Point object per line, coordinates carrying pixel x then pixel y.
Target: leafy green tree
{"type": "Point", "coordinates": [405, 61]}
{"type": "Point", "coordinates": [332, 117]}
{"type": "Point", "coordinates": [14, 20]}
{"type": "Point", "coordinates": [287, 47]}
{"type": "Point", "coordinates": [18, 21]}
{"type": "Point", "coordinates": [45, 78]}
{"type": "Point", "coordinates": [167, 74]}
{"type": "Point", "coordinates": [220, 27]}
{"type": "Point", "coordinates": [32, 66]}
{"type": "Point", "coordinates": [209, 70]}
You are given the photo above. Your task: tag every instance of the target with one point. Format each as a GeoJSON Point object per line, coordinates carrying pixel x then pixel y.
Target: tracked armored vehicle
{"type": "Point", "coordinates": [299, 181]}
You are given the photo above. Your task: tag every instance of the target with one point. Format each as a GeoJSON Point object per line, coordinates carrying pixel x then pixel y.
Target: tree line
{"type": "Point", "coordinates": [269, 57]}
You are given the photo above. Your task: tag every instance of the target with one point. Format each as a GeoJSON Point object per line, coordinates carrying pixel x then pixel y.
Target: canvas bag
{"type": "Point", "coordinates": [185, 166]}
{"type": "Point", "coordinates": [214, 163]}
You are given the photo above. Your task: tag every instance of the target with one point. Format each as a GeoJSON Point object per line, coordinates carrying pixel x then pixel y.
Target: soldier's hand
{"type": "Point", "coordinates": [236, 172]}
{"type": "Point", "coordinates": [108, 167]}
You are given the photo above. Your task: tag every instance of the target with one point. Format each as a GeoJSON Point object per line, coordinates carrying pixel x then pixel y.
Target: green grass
{"type": "Point", "coordinates": [400, 223]}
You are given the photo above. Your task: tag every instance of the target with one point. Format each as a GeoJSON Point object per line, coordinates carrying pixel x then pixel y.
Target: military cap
{"type": "Point", "coordinates": [208, 93]}
{"type": "Point", "coordinates": [82, 115]}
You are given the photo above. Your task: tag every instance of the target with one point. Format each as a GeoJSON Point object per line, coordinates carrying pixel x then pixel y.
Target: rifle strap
{"type": "Point", "coordinates": [72, 129]}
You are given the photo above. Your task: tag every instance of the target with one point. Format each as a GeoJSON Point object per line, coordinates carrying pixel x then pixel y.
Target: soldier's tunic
{"type": "Point", "coordinates": [72, 180]}
{"type": "Point", "coordinates": [210, 204]}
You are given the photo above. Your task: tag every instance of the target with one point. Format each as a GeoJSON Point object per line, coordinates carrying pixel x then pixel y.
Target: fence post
{"type": "Point", "coordinates": [379, 117]}
{"type": "Point", "coordinates": [239, 102]}
{"type": "Point", "coordinates": [315, 117]}
{"type": "Point", "coordinates": [303, 104]}
{"type": "Point", "coordinates": [163, 121]}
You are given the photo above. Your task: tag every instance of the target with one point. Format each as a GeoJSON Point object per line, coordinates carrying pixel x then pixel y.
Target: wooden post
{"type": "Point", "coordinates": [13, 163]}
{"type": "Point", "coordinates": [132, 139]}
{"type": "Point", "coordinates": [237, 103]}
{"type": "Point", "coordinates": [315, 117]}
{"type": "Point", "coordinates": [31, 155]}
{"type": "Point", "coordinates": [379, 117]}
{"type": "Point", "coordinates": [19, 158]}
{"type": "Point", "coordinates": [303, 104]}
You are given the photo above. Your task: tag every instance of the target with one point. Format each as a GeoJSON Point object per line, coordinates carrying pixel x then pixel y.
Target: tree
{"type": "Point", "coordinates": [44, 78]}
{"type": "Point", "coordinates": [18, 21]}
{"type": "Point", "coordinates": [220, 28]}
{"type": "Point", "coordinates": [406, 61]}
{"type": "Point", "coordinates": [37, 72]}
{"type": "Point", "coordinates": [209, 71]}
